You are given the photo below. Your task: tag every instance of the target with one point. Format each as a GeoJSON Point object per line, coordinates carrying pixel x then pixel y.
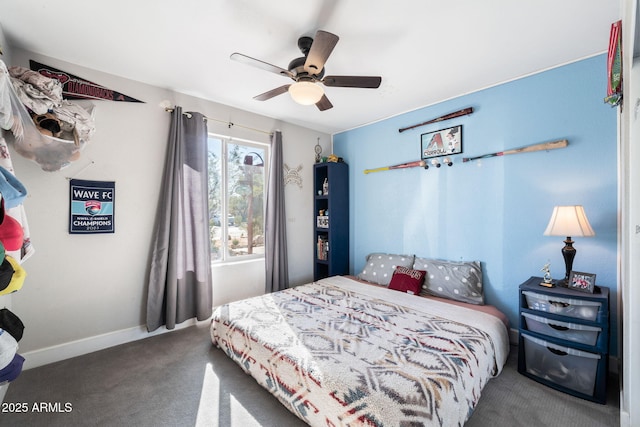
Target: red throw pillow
{"type": "Point", "coordinates": [407, 280]}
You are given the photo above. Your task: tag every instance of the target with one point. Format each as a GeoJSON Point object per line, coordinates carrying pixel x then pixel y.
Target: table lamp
{"type": "Point", "coordinates": [569, 221]}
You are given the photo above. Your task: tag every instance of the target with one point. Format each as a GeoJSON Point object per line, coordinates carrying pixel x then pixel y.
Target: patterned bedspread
{"type": "Point", "coordinates": [338, 352]}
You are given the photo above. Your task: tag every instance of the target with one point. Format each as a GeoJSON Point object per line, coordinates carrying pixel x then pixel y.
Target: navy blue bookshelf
{"type": "Point", "coordinates": [331, 219]}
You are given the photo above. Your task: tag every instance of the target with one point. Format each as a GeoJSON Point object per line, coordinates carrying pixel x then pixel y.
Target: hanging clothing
{"type": "Point", "coordinates": [37, 92]}
{"type": "Point", "coordinates": [12, 124]}
{"type": "Point", "coordinates": [42, 95]}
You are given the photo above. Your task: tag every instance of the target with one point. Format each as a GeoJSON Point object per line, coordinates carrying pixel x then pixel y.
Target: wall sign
{"type": "Point", "coordinates": [442, 142]}
{"type": "Point", "coordinates": [91, 209]}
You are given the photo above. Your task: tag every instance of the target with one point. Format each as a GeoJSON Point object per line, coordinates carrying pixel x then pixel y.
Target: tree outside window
{"type": "Point", "coordinates": [237, 171]}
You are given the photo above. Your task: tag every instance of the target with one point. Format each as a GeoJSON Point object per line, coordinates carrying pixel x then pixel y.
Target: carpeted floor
{"type": "Point", "coordinates": [180, 379]}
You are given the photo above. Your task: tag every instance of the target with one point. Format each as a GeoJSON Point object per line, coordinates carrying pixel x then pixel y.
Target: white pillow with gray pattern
{"type": "Point", "coordinates": [459, 281]}
{"type": "Point", "coordinates": [379, 267]}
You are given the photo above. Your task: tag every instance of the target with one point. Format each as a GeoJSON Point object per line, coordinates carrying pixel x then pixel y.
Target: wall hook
{"type": "Point", "coordinates": [91, 163]}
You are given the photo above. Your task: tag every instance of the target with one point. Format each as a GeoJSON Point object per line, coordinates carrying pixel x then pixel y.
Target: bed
{"type": "Point", "coordinates": [341, 351]}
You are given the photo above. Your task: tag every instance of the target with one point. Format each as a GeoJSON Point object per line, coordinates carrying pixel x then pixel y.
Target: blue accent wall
{"type": "Point", "coordinates": [495, 210]}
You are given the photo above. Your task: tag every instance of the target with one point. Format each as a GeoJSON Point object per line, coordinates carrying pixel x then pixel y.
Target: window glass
{"type": "Point", "coordinates": [237, 171]}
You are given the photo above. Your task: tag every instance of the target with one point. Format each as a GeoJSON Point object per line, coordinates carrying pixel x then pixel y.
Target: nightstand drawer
{"type": "Point", "coordinates": [571, 307]}
{"type": "Point", "coordinates": [567, 367]}
{"type": "Point", "coordinates": [583, 334]}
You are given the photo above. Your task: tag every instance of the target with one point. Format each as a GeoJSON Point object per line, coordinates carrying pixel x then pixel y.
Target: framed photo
{"type": "Point", "coordinates": [442, 142]}
{"type": "Point", "coordinates": [584, 282]}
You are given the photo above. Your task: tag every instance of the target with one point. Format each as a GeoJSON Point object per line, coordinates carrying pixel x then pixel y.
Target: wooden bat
{"type": "Point", "coordinates": [453, 115]}
{"type": "Point", "coordinates": [417, 163]}
{"type": "Point", "coordinates": [561, 143]}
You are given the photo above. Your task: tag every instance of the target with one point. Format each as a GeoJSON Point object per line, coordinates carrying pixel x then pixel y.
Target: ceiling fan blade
{"type": "Point", "coordinates": [370, 82]}
{"type": "Point", "coordinates": [324, 103]}
{"type": "Point", "coordinates": [273, 92]}
{"type": "Point", "coordinates": [321, 48]}
{"type": "Point", "coordinates": [260, 64]}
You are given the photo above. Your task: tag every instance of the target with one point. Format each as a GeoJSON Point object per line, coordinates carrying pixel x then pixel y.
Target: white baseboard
{"type": "Point", "coordinates": [514, 336]}
{"type": "Point", "coordinates": [625, 419]}
{"type": "Point", "coordinates": [71, 349]}
{"type": "Point", "coordinates": [3, 390]}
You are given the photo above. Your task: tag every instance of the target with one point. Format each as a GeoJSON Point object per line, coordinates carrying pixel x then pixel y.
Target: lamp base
{"type": "Point", "coordinates": [568, 253]}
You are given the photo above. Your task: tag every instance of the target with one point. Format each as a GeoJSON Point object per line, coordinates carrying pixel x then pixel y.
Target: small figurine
{"type": "Point", "coordinates": [546, 279]}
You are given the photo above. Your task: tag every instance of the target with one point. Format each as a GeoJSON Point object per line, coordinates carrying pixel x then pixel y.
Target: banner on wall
{"type": "Point", "coordinates": [91, 209]}
{"type": "Point", "coordinates": [73, 87]}
{"type": "Point", "coordinates": [614, 65]}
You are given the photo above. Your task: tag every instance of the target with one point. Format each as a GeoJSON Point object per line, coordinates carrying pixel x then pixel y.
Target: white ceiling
{"type": "Point", "coordinates": [426, 51]}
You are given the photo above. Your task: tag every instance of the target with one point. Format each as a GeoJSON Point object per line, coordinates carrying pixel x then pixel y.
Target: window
{"type": "Point", "coordinates": [237, 171]}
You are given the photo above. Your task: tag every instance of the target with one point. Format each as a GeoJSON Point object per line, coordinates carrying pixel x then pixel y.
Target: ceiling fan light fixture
{"type": "Point", "coordinates": [306, 93]}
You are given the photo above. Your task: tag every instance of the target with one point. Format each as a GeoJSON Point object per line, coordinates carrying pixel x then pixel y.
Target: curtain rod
{"type": "Point", "coordinates": [229, 124]}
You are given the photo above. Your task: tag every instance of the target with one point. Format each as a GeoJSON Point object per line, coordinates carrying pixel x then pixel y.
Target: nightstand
{"type": "Point", "coordinates": [564, 338]}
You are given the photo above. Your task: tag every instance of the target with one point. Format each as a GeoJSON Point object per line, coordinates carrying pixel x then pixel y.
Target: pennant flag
{"type": "Point", "coordinates": [614, 65]}
{"type": "Point", "coordinates": [74, 87]}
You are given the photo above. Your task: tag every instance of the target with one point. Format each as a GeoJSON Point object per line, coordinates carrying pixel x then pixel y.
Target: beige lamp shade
{"type": "Point", "coordinates": [306, 93]}
{"type": "Point", "coordinates": [569, 221]}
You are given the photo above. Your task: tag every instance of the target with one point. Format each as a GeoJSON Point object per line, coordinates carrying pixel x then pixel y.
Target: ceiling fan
{"type": "Point", "coordinates": [308, 72]}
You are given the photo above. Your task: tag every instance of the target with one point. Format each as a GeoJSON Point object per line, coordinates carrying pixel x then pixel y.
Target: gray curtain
{"type": "Point", "coordinates": [180, 271]}
{"type": "Point", "coordinates": [275, 222]}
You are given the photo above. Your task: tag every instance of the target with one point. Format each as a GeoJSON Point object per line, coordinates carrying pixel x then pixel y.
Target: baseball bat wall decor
{"type": "Point", "coordinates": [459, 113]}
{"type": "Point", "coordinates": [417, 163]}
{"type": "Point", "coordinates": [561, 143]}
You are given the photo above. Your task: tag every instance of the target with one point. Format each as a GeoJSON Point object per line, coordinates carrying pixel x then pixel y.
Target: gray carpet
{"type": "Point", "coordinates": [180, 379]}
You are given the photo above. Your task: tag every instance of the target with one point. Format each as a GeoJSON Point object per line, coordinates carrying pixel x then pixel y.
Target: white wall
{"type": "Point", "coordinates": [85, 292]}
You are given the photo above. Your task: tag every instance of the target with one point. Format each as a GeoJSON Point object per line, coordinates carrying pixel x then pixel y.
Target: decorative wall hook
{"type": "Point", "coordinates": [447, 161]}
{"type": "Point", "coordinates": [435, 163]}
{"type": "Point", "coordinates": [292, 175]}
